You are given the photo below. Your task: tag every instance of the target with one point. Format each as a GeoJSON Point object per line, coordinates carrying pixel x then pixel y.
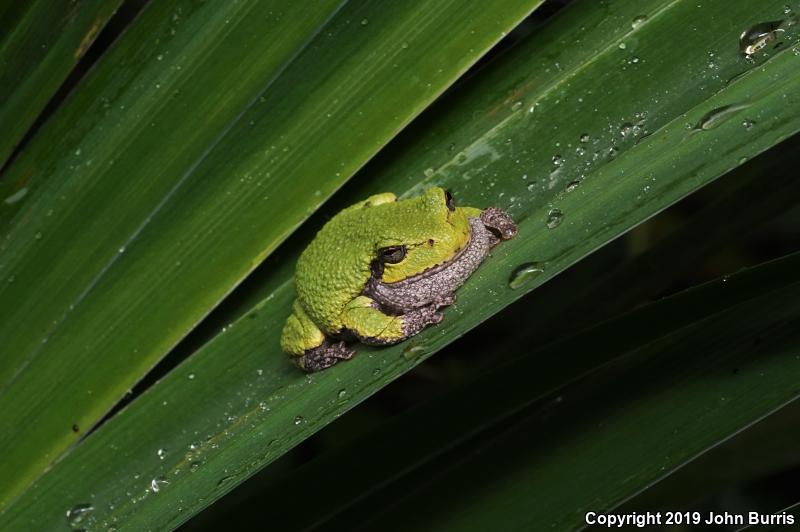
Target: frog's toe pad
{"type": "Point", "coordinates": [324, 356]}
{"type": "Point", "coordinates": [444, 301]}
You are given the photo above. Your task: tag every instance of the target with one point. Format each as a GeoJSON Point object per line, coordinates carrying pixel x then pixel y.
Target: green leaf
{"type": "Point", "coordinates": [744, 205]}
{"type": "Point", "coordinates": [741, 464]}
{"type": "Point", "coordinates": [240, 404]}
{"type": "Point", "coordinates": [41, 42]}
{"type": "Point", "coordinates": [196, 145]}
{"type": "Point", "coordinates": [688, 372]}
{"type": "Point", "coordinates": [525, 397]}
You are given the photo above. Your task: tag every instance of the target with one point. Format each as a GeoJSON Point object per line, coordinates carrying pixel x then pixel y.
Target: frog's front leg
{"type": "Point", "coordinates": [313, 351]}
{"type": "Point", "coordinates": [370, 325]}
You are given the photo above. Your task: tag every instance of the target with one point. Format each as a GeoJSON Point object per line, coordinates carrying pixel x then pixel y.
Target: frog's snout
{"type": "Point", "coordinates": [499, 223]}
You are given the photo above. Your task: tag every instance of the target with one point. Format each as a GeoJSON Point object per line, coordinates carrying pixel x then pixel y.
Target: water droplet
{"type": "Point", "coordinates": [572, 185]}
{"type": "Point", "coordinates": [342, 393]}
{"type": "Point", "coordinates": [16, 196]}
{"type": "Point", "coordinates": [298, 420]}
{"type": "Point", "coordinates": [161, 453]}
{"type": "Point", "coordinates": [364, 22]}
{"type": "Point", "coordinates": [159, 57]}
{"type": "Point", "coordinates": [225, 480]}
{"type": "Point", "coordinates": [376, 371]}
{"type": "Point", "coordinates": [77, 152]}
{"type": "Point", "coordinates": [429, 172]}
{"type": "Point", "coordinates": [413, 351]}
{"type": "Point", "coordinates": [554, 218]}
{"type": "Point", "coordinates": [758, 37]}
{"type": "Point", "coordinates": [122, 249]}
{"type": "Point", "coordinates": [717, 116]}
{"type": "Point", "coordinates": [38, 235]}
{"type": "Point", "coordinates": [748, 124]}
{"type": "Point", "coordinates": [580, 151]}
{"type": "Point", "coordinates": [524, 273]}
{"type": "Point", "coordinates": [78, 514]}
{"type": "Point", "coordinates": [613, 151]}
{"type": "Point", "coordinates": [158, 483]}
{"type": "Point", "coordinates": [558, 161]}
{"type": "Point", "coordinates": [585, 138]}
{"type": "Point", "coordinates": [194, 466]}
{"type": "Point", "coordinates": [638, 21]}
{"type": "Point", "coordinates": [531, 187]}
{"type": "Point", "coordinates": [404, 45]}
{"type": "Point", "coordinates": [625, 129]}
{"type": "Point", "coordinates": [517, 106]}
{"type": "Point", "coordinates": [622, 46]}
{"type": "Point", "coordinates": [191, 376]}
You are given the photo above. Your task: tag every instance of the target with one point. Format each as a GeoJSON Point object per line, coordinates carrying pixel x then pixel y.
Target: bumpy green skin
{"type": "Point", "coordinates": [335, 268]}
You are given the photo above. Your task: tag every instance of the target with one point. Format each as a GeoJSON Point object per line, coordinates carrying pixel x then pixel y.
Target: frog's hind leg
{"type": "Point", "coordinates": [324, 356]}
{"type": "Point", "coordinates": [308, 345]}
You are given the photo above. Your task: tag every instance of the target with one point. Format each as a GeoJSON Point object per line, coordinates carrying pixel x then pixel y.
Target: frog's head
{"type": "Point", "coordinates": [426, 231]}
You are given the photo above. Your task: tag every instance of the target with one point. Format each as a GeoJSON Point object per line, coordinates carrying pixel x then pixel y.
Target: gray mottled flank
{"type": "Point", "coordinates": [435, 287]}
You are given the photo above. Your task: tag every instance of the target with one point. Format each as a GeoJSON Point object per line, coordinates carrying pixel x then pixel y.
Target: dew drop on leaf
{"type": "Point", "coordinates": [554, 218]}
{"type": "Point", "coordinates": [157, 483]}
{"type": "Point", "coordinates": [78, 514]}
{"type": "Point", "coordinates": [717, 116]}
{"type": "Point", "coordinates": [757, 37]}
{"type": "Point", "coordinates": [413, 351]}
{"type": "Point", "coordinates": [16, 196]}
{"type": "Point", "coordinates": [524, 273]}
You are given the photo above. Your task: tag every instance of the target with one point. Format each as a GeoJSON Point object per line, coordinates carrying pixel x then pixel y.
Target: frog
{"type": "Point", "coordinates": [384, 269]}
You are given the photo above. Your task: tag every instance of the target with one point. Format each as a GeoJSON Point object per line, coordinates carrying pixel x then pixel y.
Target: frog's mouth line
{"type": "Point", "coordinates": [377, 266]}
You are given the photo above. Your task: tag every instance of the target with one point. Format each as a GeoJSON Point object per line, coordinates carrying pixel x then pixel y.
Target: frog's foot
{"type": "Point", "coordinates": [499, 223]}
{"type": "Point", "coordinates": [324, 356]}
{"type": "Point", "coordinates": [416, 320]}
{"type": "Point", "coordinates": [443, 301]}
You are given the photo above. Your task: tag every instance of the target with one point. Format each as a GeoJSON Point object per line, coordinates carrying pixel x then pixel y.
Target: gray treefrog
{"type": "Point", "coordinates": [381, 270]}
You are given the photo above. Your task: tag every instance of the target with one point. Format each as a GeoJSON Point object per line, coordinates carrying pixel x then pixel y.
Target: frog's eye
{"type": "Point", "coordinates": [393, 254]}
{"type": "Point", "coordinates": [448, 200]}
